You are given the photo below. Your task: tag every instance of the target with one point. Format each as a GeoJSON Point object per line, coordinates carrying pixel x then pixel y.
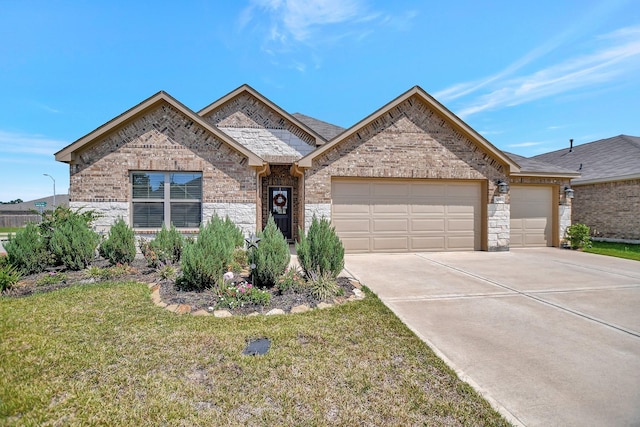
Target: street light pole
{"type": "Point", "coordinates": [54, 188]}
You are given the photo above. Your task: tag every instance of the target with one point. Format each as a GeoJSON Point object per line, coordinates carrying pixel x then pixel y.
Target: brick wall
{"type": "Point", "coordinates": [411, 141]}
{"type": "Point", "coordinates": [611, 209]}
{"type": "Point", "coordinates": [161, 140]}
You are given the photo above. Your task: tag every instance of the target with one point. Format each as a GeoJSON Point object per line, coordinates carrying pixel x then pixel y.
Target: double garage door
{"type": "Point", "coordinates": [405, 216]}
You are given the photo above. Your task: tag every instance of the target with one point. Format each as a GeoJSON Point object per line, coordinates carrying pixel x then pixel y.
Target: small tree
{"type": "Point", "coordinates": [27, 250]}
{"type": "Point", "coordinates": [271, 257]}
{"type": "Point", "coordinates": [578, 236]}
{"type": "Point", "coordinates": [320, 251]}
{"type": "Point", "coordinates": [120, 245]}
{"type": "Point", "coordinates": [73, 243]}
{"type": "Point", "coordinates": [205, 260]}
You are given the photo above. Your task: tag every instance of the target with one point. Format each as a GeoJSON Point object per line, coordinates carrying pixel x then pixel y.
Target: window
{"type": "Point", "coordinates": [165, 198]}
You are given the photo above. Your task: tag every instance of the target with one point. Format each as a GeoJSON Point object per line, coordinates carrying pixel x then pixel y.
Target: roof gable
{"type": "Point", "coordinates": [67, 154]}
{"type": "Point", "coordinates": [246, 90]}
{"type": "Point", "coordinates": [432, 104]}
{"type": "Point", "coordinates": [607, 159]}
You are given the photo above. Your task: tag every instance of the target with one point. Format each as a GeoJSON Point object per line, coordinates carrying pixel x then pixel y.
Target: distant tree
{"type": "Point", "coordinates": [13, 202]}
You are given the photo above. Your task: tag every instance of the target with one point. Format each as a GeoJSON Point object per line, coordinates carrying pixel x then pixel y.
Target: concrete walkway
{"type": "Point", "coordinates": [548, 336]}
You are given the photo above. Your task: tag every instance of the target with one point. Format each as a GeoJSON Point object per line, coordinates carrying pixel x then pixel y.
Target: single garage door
{"type": "Point", "coordinates": [531, 216]}
{"type": "Point", "coordinates": [406, 216]}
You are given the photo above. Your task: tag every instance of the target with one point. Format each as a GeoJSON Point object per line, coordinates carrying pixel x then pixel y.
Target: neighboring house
{"type": "Point", "coordinates": [18, 214]}
{"type": "Point", "coordinates": [607, 194]}
{"type": "Point", "coordinates": [409, 177]}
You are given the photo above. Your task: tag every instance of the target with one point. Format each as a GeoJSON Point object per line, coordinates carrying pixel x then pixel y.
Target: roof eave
{"type": "Point", "coordinates": [545, 174]}
{"type": "Point", "coordinates": [607, 179]}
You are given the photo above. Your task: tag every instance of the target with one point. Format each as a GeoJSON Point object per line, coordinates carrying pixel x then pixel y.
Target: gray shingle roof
{"type": "Point", "coordinates": [25, 207]}
{"type": "Point", "coordinates": [324, 129]}
{"type": "Point", "coordinates": [610, 158]}
{"type": "Point", "coordinates": [528, 164]}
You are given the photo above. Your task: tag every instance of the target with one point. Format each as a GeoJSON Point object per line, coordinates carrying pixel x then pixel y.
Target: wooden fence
{"type": "Point", "coordinates": [17, 220]}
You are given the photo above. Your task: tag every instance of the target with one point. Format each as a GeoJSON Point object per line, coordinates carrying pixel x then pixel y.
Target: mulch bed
{"type": "Point", "coordinates": [205, 300]}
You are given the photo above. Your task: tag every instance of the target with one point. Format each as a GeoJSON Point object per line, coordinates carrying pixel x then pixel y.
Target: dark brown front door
{"type": "Point", "coordinates": [280, 208]}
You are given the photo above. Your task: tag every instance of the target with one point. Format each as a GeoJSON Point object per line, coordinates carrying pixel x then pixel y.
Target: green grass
{"type": "Point", "coordinates": [9, 229]}
{"type": "Point", "coordinates": [620, 250]}
{"type": "Point", "coordinates": [104, 354]}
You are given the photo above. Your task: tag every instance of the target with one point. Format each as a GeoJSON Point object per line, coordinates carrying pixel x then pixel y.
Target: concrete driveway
{"type": "Point", "coordinates": [548, 336]}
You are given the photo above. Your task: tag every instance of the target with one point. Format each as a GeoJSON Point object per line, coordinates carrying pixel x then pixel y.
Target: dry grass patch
{"type": "Point", "coordinates": [103, 354]}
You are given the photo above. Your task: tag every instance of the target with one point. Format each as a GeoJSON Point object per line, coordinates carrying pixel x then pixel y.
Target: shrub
{"type": "Point", "coordinates": [165, 248]}
{"type": "Point", "coordinates": [321, 250]}
{"type": "Point", "coordinates": [240, 294]}
{"type": "Point", "coordinates": [271, 257]}
{"type": "Point", "coordinates": [291, 279]}
{"type": "Point", "coordinates": [578, 236]}
{"type": "Point", "coordinates": [239, 261]}
{"type": "Point", "coordinates": [52, 220]}
{"type": "Point", "coordinates": [205, 260]}
{"type": "Point", "coordinates": [323, 285]}
{"type": "Point", "coordinates": [27, 250]}
{"type": "Point", "coordinates": [9, 276]}
{"type": "Point", "coordinates": [73, 243]}
{"type": "Point", "coordinates": [120, 245]}
{"type": "Point", "coordinates": [51, 278]}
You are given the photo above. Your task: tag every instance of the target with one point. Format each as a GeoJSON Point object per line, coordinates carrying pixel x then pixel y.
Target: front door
{"type": "Point", "coordinates": [280, 208]}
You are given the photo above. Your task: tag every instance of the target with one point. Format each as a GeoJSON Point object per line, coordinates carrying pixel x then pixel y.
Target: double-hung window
{"type": "Point", "coordinates": [166, 198]}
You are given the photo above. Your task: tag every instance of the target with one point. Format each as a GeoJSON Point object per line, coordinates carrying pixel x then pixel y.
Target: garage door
{"type": "Point", "coordinates": [406, 216]}
{"type": "Point", "coordinates": [531, 216]}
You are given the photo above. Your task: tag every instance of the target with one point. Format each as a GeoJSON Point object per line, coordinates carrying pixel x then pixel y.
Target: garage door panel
{"type": "Point", "coordinates": [390, 225]}
{"type": "Point", "coordinates": [437, 225]}
{"type": "Point", "coordinates": [433, 243]}
{"type": "Point", "coordinates": [388, 208]}
{"type": "Point", "coordinates": [465, 225]}
{"type": "Point", "coordinates": [356, 244]}
{"type": "Point", "coordinates": [407, 215]}
{"type": "Point", "coordinates": [399, 243]}
{"type": "Point", "coordinates": [352, 225]}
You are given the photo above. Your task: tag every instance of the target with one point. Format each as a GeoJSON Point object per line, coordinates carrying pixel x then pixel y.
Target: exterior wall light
{"type": "Point", "coordinates": [568, 192]}
{"type": "Point", "coordinates": [503, 187]}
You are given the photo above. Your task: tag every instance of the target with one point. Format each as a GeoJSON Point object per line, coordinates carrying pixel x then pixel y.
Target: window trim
{"type": "Point", "coordinates": [166, 200]}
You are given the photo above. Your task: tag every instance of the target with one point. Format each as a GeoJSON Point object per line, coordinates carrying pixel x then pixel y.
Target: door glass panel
{"type": "Point", "coordinates": [280, 202]}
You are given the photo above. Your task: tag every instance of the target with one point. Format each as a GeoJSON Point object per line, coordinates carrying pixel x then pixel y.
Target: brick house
{"type": "Point", "coordinates": [607, 194]}
{"type": "Point", "coordinates": [409, 177]}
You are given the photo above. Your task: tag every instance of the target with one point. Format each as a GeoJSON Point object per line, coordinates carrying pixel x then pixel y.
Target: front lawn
{"type": "Point", "coordinates": [104, 354]}
{"type": "Point", "coordinates": [620, 250]}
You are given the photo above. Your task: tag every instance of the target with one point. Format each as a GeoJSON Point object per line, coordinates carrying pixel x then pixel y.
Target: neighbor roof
{"type": "Point", "coordinates": [440, 109]}
{"type": "Point", "coordinates": [533, 167]}
{"type": "Point", "coordinates": [610, 159]}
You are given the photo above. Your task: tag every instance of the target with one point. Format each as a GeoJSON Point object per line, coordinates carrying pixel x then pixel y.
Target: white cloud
{"type": "Point", "coordinates": [21, 143]}
{"type": "Point", "coordinates": [618, 55]}
{"type": "Point", "coordinates": [524, 144]}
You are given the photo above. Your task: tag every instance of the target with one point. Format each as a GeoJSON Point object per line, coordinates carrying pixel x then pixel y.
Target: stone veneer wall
{"type": "Point", "coordinates": [410, 141]}
{"type": "Point", "coordinates": [610, 209]}
{"type": "Point", "coordinates": [162, 140]}
{"type": "Point", "coordinates": [499, 227]}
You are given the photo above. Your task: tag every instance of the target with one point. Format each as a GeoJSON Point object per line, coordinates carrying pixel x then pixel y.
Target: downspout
{"type": "Point", "coordinates": [264, 170]}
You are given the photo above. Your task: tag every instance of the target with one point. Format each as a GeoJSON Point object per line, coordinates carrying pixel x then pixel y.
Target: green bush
{"type": "Point", "coordinates": [9, 276]}
{"type": "Point", "coordinates": [578, 236]}
{"type": "Point", "coordinates": [321, 250]}
{"type": "Point", "coordinates": [73, 243]}
{"type": "Point", "coordinates": [205, 260]}
{"type": "Point", "coordinates": [27, 250]}
{"type": "Point", "coordinates": [271, 257]}
{"type": "Point", "coordinates": [166, 248]}
{"type": "Point", "coordinates": [120, 245]}
{"type": "Point", "coordinates": [290, 280]}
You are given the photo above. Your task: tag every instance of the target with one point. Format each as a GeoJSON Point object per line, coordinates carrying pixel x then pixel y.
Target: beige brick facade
{"type": "Point", "coordinates": [610, 209]}
{"type": "Point", "coordinates": [411, 141]}
{"type": "Point", "coordinates": [161, 140]}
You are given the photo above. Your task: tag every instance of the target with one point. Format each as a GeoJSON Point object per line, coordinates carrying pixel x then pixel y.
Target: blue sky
{"type": "Point", "coordinates": [526, 75]}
